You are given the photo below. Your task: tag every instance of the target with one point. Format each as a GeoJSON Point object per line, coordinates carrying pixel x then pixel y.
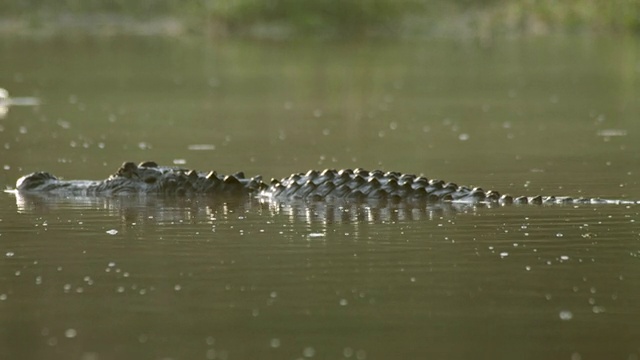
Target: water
{"type": "Point", "coordinates": [155, 278]}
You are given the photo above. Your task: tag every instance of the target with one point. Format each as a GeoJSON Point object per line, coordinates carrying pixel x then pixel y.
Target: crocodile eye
{"type": "Point", "coordinates": [150, 180]}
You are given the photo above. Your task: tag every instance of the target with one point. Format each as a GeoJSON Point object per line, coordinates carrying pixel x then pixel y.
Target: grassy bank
{"type": "Point", "coordinates": [321, 18]}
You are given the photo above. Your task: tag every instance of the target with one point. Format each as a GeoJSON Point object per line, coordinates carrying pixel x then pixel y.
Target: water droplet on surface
{"type": "Point", "coordinates": [565, 315]}
{"type": "Point", "coordinates": [210, 340]}
{"type": "Point", "coordinates": [308, 352]}
{"type": "Point", "coordinates": [361, 355]}
{"type": "Point", "coordinates": [211, 354]}
{"type": "Point", "coordinates": [90, 356]}
{"type": "Point", "coordinates": [201, 147]}
{"type": "Point", "coordinates": [70, 333]}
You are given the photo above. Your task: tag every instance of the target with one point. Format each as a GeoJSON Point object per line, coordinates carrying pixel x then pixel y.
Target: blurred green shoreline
{"type": "Point", "coordinates": [285, 19]}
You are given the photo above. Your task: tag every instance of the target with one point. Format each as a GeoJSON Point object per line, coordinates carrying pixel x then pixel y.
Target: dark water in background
{"type": "Point", "coordinates": [151, 278]}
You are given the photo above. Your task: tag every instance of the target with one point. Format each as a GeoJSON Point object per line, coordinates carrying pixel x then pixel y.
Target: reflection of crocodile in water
{"type": "Point", "coordinates": [352, 185]}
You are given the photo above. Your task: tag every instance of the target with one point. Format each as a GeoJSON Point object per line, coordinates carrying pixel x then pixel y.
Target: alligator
{"type": "Point", "coordinates": [347, 185]}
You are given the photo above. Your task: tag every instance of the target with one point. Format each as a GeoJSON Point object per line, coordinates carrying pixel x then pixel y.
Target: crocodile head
{"type": "Point", "coordinates": [148, 177]}
{"type": "Point", "coordinates": [36, 181]}
{"type": "Point", "coordinates": [145, 178]}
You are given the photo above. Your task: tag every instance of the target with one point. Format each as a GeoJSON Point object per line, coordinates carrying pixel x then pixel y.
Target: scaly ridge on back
{"type": "Point", "coordinates": [330, 184]}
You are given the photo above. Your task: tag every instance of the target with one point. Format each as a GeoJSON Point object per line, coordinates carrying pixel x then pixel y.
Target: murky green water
{"type": "Point", "coordinates": [153, 278]}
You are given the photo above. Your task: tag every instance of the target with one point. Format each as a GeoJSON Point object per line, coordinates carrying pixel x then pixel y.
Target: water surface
{"type": "Point", "coordinates": [205, 278]}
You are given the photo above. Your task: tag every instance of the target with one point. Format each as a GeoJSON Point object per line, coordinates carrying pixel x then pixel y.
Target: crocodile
{"type": "Point", "coordinates": [346, 185]}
